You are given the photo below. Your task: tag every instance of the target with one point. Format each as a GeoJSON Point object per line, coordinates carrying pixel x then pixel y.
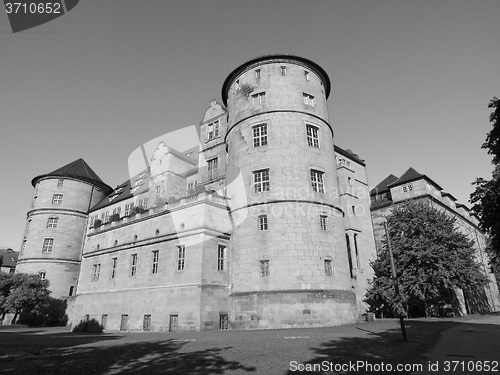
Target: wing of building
{"type": "Point", "coordinates": [414, 185]}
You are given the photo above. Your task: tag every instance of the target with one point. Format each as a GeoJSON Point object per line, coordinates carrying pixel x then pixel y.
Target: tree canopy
{"type": "Point", "coordinates": [431, 257]}
{"type": "Point", "coordinates": [486, 198]}
{"type": "Point", "coordinates": [22, 292]}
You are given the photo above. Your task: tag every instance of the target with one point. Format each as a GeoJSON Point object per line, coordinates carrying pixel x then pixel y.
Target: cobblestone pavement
{"type": "Point", "coordinates": [363, 347]}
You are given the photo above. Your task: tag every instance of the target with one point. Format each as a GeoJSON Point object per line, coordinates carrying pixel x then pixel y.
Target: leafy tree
{"type": "Point", "coordinates": [486, 198]}
{"type": "Point", "coordinates": [25, 293]}
{"type": "Point", "coordinates": [431, 256]}
{"type": "Point", "coordinates": [5, 286]}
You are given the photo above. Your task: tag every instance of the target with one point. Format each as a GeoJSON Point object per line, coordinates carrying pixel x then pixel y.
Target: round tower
{"type": "Point", "coordinates": [289, 257]}
{"type": "Point", "coordinates": [56, 224]}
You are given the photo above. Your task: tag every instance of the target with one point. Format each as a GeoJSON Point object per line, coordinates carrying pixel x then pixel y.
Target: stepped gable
{"type": "Point", "coordinates": [79, 170]}
{"type": "Point", "coordinates": [412, 175]}
{"type": "Point", "coordinates": [384, 185]}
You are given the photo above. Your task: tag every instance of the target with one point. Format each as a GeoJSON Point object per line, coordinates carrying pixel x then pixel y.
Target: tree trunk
{"type": "Point", "coordinates": [15, 317]}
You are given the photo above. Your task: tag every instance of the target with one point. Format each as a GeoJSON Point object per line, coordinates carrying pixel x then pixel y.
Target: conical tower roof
{"type": "Point", "coordinates": [79, 170]}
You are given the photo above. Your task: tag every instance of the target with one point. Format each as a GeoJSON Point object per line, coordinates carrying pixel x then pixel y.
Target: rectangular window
{"type": "Point", "coordinates": [117, 210]}
{"type": "Point", "coordinates": [237, 85]}
{"type": "Point", "coordinates": [261, 180]}
{"type": "Point", "coordinates": [128, 207]}
{"type": "Point", "coordinates": [96, 270]}
{"type": "Point", "coordinates": [356, 249]}
{"type": "Point", "coordinates": [133, 268]}
{"type": "Point", "coordinates": [114, 261]}
{"type": "Point", "coordinates": [323, 220]}
{"type": "Point", "coordinates": [212, 168]}
{"type": "Point", "coordinates": [328, 268]}
{"type": "Point", "coordinates": [57, 199]}
{"type": "Point", "coordinates": [181, 256]}
{"type": "Point", "coordinates": [158, 190]}
{"type": "Point", "coordinates": [257, 73]}
{"type": "Point", "coordinates": [213, 130]}
{"type": "Point", "coordinates": [259, 135]}
{"type": "Point", "coordinates": [317, 182]}
{"type": "Point", "coordinates": [52, 222]}
{"type": "Point", "coordinates": [124, 323]}
{"type": "Point", "coordinates": [307, 75]}
{"type": "Point", "coordinates": [146, 324]}
{"type": "Point", "coordinates": [221, 252]}
{"type": "Point", "coordinates": [48, 243]}
{"type": "Point", "coordinates": [264, 268]}
{"type": "Point", "coordinates": [259, 98]}
{"type": "Point", "coordinates": [105, 217]}
{"type": "Point", "coordinates": [92, 220]}
{"type": "Point", "coordinates": [71, 290]}
{"type": "Point", "coordinates": [223, 321]}
{"type": "Point", "coordinates": [104, 320]}
{"type": "Point", "coordinates": [42, 275]}
{"type": "Point", "coordinates": [262, 220]}
{"type": "Point", "coordinates": [312, 136]}
{"type": "Point", "coordinates": [308, 99]}
{"type": "Point", "coordinates": [60, 183]}
{"type": "Point", "coordinates": [174, 323]}
{"type": "Point", "coordinates": [156, 255]}
{"type": "Point", "coordinates": [349, 258]}
{"type": "Point", "coordinates": [143, 203]}
{"type": "Point", "coordinates": [283, 70]}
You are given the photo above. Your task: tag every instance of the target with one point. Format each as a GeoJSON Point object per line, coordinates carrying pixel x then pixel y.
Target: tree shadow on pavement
{"type": "Point", "coordinates": [375, 347]}
{"type": "Point", "coordinates": [153, 357]}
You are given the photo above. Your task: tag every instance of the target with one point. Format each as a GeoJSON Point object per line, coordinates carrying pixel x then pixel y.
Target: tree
{"type": "Point", "coordinates": [486, 198]}
{"type": "Point", "coordinates": [25, 293]}
{"type": "Point", "coordinates": [5, 286]}
{"type": "Point", "coordinates": [431, 256]}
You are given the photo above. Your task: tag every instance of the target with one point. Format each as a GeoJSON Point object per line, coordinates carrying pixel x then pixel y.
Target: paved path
{"type": "Point", "coordinates": [467, 347]}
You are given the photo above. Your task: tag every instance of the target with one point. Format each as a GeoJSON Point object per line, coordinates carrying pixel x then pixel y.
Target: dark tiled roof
{"type": "Point", "coordinates": [9, 257]}
{"type": "Point", "coordinates": [383, 186]}
{"type": "Point", "coordinates": [412, 175]}
{"type": "Point", "coordinates": [79, 170]}
{"type": "Point", "coordinates": [349, 154]}
{"type": "Point", "coordinates": [134, 186]}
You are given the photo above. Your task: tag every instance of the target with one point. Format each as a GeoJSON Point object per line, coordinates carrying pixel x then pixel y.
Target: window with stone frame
{"type": "Point", "coordinates": [133, 265]}
{"type": "Point", "coordinates": [52, 222]}
{"type": "Point", "coordinates": [323, 221]}
{"type": "Point", "coordinates": [57, 198]}
{"type": "Point", "coordinates": [156, 257]}
{"type": "Point", "coordinates": [96, 270]}
{"type": "Point", "coordinates": [128, 208]}
{"type": "Point", "coordinates": [114, 262]}
{"type": "Point", "coordinates": [317, 181]}
{"type": "Point", "coordinates": [259, 133]}
{"type": "Point", "coordinates": [221, 257]}
{"type": "Point", "coordinates": [312, 133]}
{"type": "Point", "coordinates": [328, 268]}
{"type": "Point", "coordinates": [259, 98]}
{"type": "Point", "coordinates": [212, 170]}
{"type": "Point", "coordinates": [48, 243]}
{"type": "Point", "coordinates": [261, 180]}
{"type": "Point", "coordinates": [262, 222]}
{"type": "Point", "coordinates": [181, 257]}
{"type": "Point", "coordinates": [213, 130]}
{"type": "Point", "coordinates": [264, 268]}
{"type": "Point", "coordinates": [308, 99]}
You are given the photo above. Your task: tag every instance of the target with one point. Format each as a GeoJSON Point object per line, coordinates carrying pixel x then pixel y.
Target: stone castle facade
{"type": "Point", "coordinates": [265, 224]}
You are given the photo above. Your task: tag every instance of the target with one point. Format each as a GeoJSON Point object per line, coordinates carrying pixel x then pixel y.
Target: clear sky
{"type": "Point", "coordinates": [411, 81]}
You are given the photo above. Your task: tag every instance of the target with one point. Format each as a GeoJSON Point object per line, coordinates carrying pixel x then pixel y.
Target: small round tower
{"type": "Point", "coordinates": [56, 224]}
{"type": "Point", "coordinates": [289, 263]}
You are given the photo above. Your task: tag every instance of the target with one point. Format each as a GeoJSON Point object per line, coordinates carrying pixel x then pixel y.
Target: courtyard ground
{"type": "Point", "coordinates": [321, 350]}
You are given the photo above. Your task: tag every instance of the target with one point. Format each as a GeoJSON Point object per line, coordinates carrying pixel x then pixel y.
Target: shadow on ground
{"type": "Point", "coordinates": [86, 354]}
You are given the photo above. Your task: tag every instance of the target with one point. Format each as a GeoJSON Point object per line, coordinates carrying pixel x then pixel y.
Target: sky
{"type": "Point", "coordinates": [411, 81]}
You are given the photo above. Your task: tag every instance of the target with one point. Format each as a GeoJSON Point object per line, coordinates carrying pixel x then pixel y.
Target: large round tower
{"type": "Point", "coordinates": [56, 224]}
{"type": "Point", "coordinates": [289, 262]}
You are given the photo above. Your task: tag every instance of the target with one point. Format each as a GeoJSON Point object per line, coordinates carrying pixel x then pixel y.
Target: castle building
{"type": "Point", "coordinates": [414, 185]}
{"type": "Point", "coordinates": [56, 224]}
{"type": "Point", "coordinates": [265, 225]}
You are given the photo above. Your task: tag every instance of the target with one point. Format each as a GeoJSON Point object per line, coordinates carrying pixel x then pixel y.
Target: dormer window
{"type": "Point", "coordinates": [213, 130]}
